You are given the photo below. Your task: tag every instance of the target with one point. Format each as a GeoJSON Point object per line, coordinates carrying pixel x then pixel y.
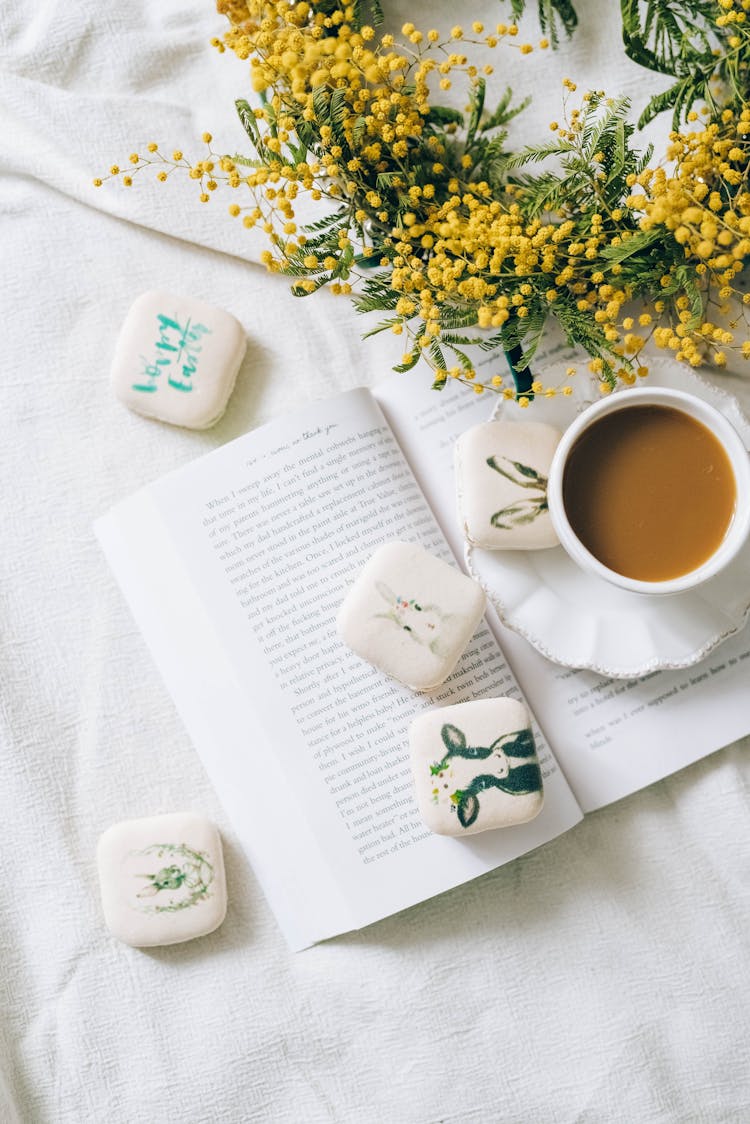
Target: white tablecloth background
{"type": "Point", "coordinates": [602, 978]}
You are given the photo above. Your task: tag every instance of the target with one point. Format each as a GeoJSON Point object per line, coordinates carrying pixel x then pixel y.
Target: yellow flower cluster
{"type": "Point", "coordinates": [369, 105]}
{"type": "Point", "coordinates": [297, 47]}
{"type": "Point", "coordinates": [705, 204]}
{"type": "Point", "coordinates": [415, 214]}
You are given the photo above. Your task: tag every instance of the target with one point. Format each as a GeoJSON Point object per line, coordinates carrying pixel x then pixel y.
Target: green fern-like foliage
{"type": "Point", "coordinates": [680, 38]}
{"type": "Point", "coordinates": [554, 16]}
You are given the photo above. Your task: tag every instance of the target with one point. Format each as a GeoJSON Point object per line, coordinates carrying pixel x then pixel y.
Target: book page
{"type": "Point", "coordinates": [614, 736]}
{"type": "Point", "coordinates": [611, 737]}
{"type": "Point", "coordinates": [305, 743]}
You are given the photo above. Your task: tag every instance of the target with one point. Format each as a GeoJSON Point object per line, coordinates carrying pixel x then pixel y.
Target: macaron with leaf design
{"type": "Point", "coordinates": [501, 481]}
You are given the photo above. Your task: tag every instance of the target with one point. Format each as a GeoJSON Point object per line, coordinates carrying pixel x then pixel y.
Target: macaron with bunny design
{"type": "Point", "coordinates": [410, 614]}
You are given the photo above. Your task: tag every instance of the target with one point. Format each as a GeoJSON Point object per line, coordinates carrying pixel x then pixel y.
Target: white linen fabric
{"type": "Point", "coordinates": [602, 978]}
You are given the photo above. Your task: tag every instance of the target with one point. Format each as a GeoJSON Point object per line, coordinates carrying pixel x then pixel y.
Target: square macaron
{"type": "Point", "coordinates": [475, 766]}
{"type": "Point", "coordinates": [501, 484]}
{"type": "Point", "coordinates": [161, 879]}
{"type": "Point", "coordinates": [410, 614]}
{"type": "Point", "coordinates": [176, 359]}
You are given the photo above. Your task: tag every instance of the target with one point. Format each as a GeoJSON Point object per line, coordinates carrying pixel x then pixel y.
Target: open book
{"type": "Point", "coordinates": [234, 568]}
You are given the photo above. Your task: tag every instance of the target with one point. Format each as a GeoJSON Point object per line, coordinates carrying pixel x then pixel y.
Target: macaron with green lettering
{"type": "Point", "coordinates": [177, 359]}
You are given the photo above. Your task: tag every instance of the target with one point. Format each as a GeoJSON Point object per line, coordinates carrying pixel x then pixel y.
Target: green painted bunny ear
{"type": "Point", "coordinates": [521, 779]}
{"type": "Point", "coordinates": [453, 739]}
{"type": "Point", "coordinates": [518, 744]}
{"type": "Point", "coordinates": [385, 592]}
{"type": "Point", "coordinates": [467, 810]}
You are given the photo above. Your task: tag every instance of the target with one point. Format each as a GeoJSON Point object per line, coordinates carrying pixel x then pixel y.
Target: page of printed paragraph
{"type": "Point", "coordinates": [611, 737]}
{"type": "Point", "coordinates": [614, 736]}
{"type": "Point", "coordinates": [270, 530]}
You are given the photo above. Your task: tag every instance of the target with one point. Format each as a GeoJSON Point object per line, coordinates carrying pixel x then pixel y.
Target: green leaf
{"type": "Point", "coordinates": [415, 354]}
{"type": "Point", "coordinates": [327, 220]}
{"type": "Point", "coordinates": [305, 133]}
{"type": "Point", "coordinates": [504, 112]}
{"type": "Point", "coordinates": [442, 115]}
{"type": "Point", "coordinates": [694, 294]}
{"type": "Point", "coordinates": [550, 12]}
{"type": "Point", "coordinates": [477, 105]}
{"type": "Point", "coordinates": [449, 338]}
{"type": "Point", "coordinates": [453, 317]}
{"type": "Point", "coordinates": [358, 131]}
{"type": "Point", "coordinates": [411, 361]}
{"type": "Point", "coordinates": [270, 112]}
{"type": "Point", "coordinates": [383, 326]}
{"type": "Point", "coordinates": [364, 11]}
{"type": "Point", "coordinates": [636, 244]}
{"type": "Point", "coordinates": [249, 124]}
{"type": "Point", "coordinates": [338, 111]}
{"type": "Point", "coordinates": [385, 180]}
{"type": "Point", "coordinates": [246, 162]}
{"type": "Point", "coordinates": [679, 98]}
{"type": "Point", "coordinates": [673, 37]}
{"type": "Point", "coordinates": [321, 105]}
{"type": "Point", "coordinates": [298, 152]}
{"type": "Point", "coordinates": [342, 269]}
{"type": "Point", "coordinates": [319, 282]}
{"type": "Point", "coordinates": [534, 154]}
{"type": "Point", "coordinates": [375, 300]}
{"type": "Point", "coordinates": [437, 356]}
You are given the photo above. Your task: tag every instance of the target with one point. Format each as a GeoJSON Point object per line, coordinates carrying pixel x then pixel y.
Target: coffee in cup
{"type": "Point", "coordinates": [650, 489]}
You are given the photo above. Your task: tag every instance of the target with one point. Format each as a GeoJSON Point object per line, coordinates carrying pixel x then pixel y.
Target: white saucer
{"type": "Point", "coordinates": [581, 621]}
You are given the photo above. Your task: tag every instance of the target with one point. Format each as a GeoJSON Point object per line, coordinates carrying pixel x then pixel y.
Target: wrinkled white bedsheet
{"type": "Point", "coordinates": [603, 978]}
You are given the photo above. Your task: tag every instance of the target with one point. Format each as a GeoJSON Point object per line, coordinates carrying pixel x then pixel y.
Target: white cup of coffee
{"type": "Point", "coordinates": [650, 490]}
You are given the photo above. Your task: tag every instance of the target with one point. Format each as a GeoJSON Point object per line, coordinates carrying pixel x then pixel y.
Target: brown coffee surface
{"type": "Point", "coordinates": [649, 491]}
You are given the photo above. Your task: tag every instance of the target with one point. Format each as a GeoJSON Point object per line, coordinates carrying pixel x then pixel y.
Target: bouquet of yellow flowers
{"type": "Point", "coordinates": [465, 246]}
